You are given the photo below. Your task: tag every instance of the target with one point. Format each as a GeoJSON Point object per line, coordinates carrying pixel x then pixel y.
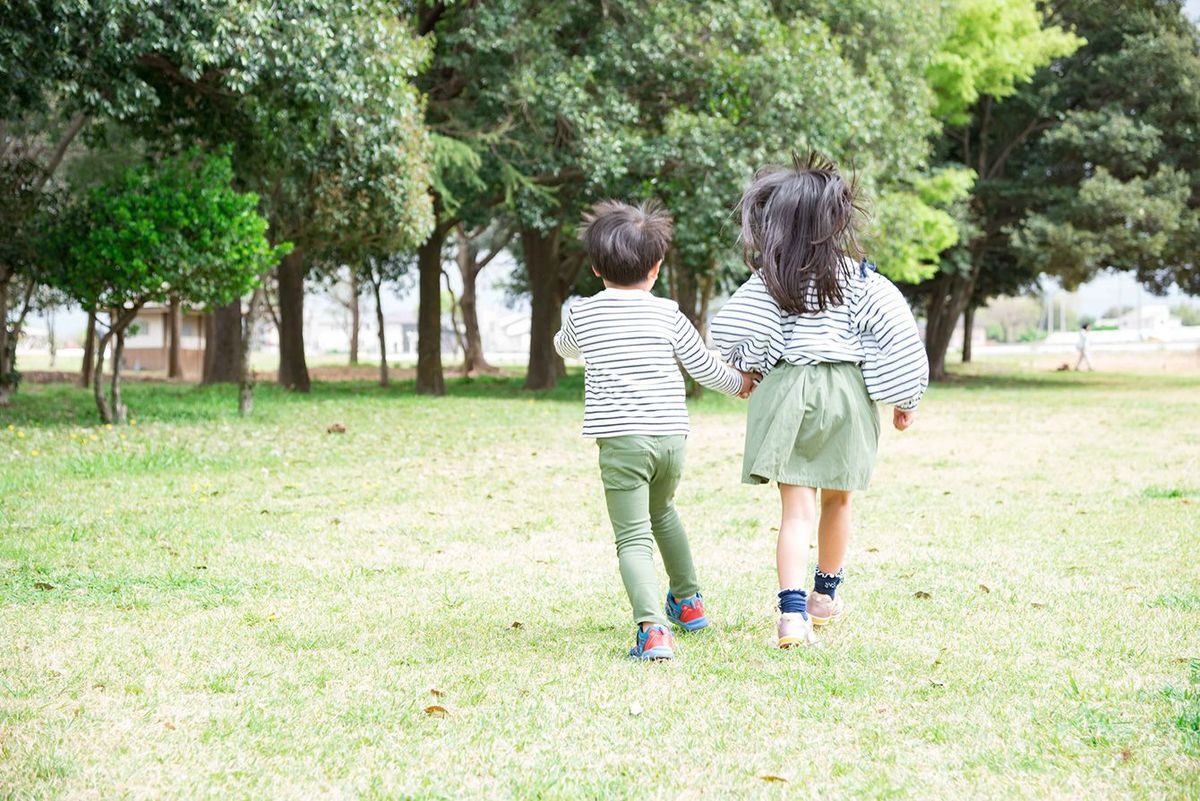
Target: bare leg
{"type": "Point", "coordinates": [795, 528]}
{"type": "Point", "coordinates": [834, 530]}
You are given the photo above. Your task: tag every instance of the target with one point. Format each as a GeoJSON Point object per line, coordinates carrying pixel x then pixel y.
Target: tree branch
{"type": "Point", "coordinates": [60, 150]}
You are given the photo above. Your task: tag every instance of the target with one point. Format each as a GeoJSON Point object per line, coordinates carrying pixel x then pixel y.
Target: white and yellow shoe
{"type": "Point", "coordinates": [822, 609]}
{"type": "Point", "coordinates": [795, 629]}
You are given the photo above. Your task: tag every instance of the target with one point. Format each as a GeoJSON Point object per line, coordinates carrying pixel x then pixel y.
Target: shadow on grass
{"type": "Point", "coordinates": [1058, 379]}
{"type": "Point", "coordinates": [62, 404]}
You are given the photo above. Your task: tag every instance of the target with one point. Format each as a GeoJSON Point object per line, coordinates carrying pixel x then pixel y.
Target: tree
{"type": "Point", "coordinates": [987, 80]}
{"type": "Point", "coordinates": [378, 271]}
{"type": "Point", "coordinates": [307, 93]}
{"type": "Point", "coordinates": [474, 251]}
{"type": "Point", "coordinates": [178, 228]}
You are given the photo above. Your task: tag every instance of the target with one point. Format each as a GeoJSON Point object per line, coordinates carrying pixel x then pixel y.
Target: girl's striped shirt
{"type": "Point", "coordinates": [629, 341]}
{"type": "Point", "coordinates": [873, 327]}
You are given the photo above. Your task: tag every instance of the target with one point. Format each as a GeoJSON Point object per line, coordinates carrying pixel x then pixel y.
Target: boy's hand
{"type": "Point", "coordinates": [902, 419]}
{"type": "Point", "coordinates": [749, 381]}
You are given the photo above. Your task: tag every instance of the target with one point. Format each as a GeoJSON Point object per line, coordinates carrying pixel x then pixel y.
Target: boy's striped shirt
{"type": "Point", "coordinates": [873, 327]}
{"type": "Point", "coordinates": [629, 341]}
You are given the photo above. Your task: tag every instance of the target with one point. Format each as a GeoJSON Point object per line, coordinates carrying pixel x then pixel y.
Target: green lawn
{"type": "Point", "coordinates": [203, 607]}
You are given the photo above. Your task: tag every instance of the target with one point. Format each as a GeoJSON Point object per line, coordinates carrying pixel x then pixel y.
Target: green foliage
{"type": "Point", "coordinates": [1188, 314]}
{"type": "Point", "coordinates": [173, 228]}
{"type": "Point", "coordinates": [993, 47]}
{"type": "Point", "coordinates": [915, 225]}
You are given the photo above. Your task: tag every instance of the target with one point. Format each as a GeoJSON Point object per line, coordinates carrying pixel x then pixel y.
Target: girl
{"type": "Point", "coordinates": [831, 337]}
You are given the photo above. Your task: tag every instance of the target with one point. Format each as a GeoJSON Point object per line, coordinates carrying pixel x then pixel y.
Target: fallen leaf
{"type": "Point", "coordinates": [770, 778]}
{"type": "Point", "coordinates": [872, 550]}
{"type": "Point", "coordinates": [202, 567]}
{"type": "Point", "coordinates": [263, 512]}
{"type": "Point", "coordinates": [947, 492]}
{"type": "Point", "coordinates": [517, 625]}
{"type": "Point", "coordinates": [635, 709]}
{"type": "Point", "coordinates": [937, 683]}
{"type": "Point", "coordinates": [1037, 604]}
{"type": "Point", "coordinates": [436, 692]}
{"type": "Point", "coordinates": [169, 725]}
{"type": "Point", "coordinates": [1126, 755]}
{"type": "Point", "coordinates": [436, 709]}
{"type": "Point", "coordinates": [922, 595]}
{"type": "Point", "coordinates": [272, 616]}
{"type": "Point", "coordinates": [336, 428]}
{"type": "Point", "coordinates": [42, 585]}
{"type": "Point", "coordinates": [984, 588]}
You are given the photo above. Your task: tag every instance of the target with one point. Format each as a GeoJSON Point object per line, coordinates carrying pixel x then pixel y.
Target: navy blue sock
{"type": "Point", "coordinates": [827, 583]}
{"type": "Point", "coordinates": [792, 601]}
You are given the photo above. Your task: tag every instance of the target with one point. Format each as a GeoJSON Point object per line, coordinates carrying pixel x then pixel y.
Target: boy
{"type": "Point", "coordinates": [634, 407]}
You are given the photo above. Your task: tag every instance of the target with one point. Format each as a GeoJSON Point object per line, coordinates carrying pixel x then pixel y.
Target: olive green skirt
{"type": "Point", "coordinates": [813, 425]}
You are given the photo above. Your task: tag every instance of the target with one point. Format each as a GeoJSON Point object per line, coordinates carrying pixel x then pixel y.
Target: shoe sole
{"type": "Point", "coordinates": [695, 625]}
{"type": "Point", "coordinates": [824, 621]}
{"type": "Point", "coordinates": [791, 642]}
{"type": "Point", "coordinates": [661, 652]}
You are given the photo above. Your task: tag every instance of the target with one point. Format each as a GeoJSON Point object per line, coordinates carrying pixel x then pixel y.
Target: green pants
{"type": "Point", "coordinates": [640, 474]}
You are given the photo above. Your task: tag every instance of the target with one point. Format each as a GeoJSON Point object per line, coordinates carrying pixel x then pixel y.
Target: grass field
{"type": "Point", "coordinates": [428, 606]}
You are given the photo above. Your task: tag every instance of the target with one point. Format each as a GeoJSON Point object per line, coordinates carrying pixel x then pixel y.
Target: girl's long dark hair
{"type": "Point", "coordinates": [799, 225]}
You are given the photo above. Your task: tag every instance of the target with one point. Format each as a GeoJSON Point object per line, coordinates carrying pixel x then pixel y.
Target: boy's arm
{"type": "Point", "coordinates": [896, 370]}
{"type": "Point", "coordinates": [748, 330]}
{"type": "Point", "coordinates": [564, 341]}
{"type": "Point", "coordinates": [701, 363]}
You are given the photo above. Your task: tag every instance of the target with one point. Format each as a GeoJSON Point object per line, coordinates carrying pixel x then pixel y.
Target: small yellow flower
{"type": "Point", "coordinates": [20, 435]}
{"type": "Point", "coordinates": [93, 438]}
{"type": "Point", "coordinates": [35, 452]}
{"type": "Point", "coordinates": [108, 426]}
{"type": "Point", "coordinates": [133, 422]}
{"type": "Point", "coordinates": [122, 436]}
{"type": "Point", "coordinates": [12, 427]}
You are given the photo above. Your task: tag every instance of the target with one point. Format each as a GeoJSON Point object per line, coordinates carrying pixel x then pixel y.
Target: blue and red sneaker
{"type": "Point", "coordinates": [655, 642]}
{"type": "Point", "coordinates": [688, 614]}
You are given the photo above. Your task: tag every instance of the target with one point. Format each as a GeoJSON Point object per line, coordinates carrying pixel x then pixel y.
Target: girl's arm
{"type": "Point", "coordinates": [749, 328]}
{"type": "Point", "coordinates": [565, 342]}
{"type": "Point", "coordinates": [896, 369]}
{"type": "Point", "coordinates": [701, 363]}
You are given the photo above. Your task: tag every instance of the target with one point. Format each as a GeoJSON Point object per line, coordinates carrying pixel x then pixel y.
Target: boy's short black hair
{"type": "Point", "coordinates": [624, 242]}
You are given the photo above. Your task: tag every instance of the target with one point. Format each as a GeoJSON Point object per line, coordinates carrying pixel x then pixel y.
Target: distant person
{"type": "Point", "coordinates": [832, 337]}
{"type": "Point", "coordinates": [1083, 345]}
{"type": "Point", "coordinates": [634, 407]}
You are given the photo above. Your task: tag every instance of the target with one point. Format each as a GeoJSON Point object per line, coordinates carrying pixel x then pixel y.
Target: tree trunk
{"type": "Point", "coordinates": [949, 300]}
{"type": "Point", "coordinates": [542, 262]}
{"type": "Point", "coordinates": [7, 382]}
{"type": "Point", "coordinates": [223, 348]}
{"type": "Point", "coordinates": [98, 376]}
{"type": "Point", "coordinates": [430, 380]}
{"type": "Point", "coordinates": [968, 331]}
{"type": "Point", "coordinates": [454, 326]}
{"type": "Point", "coordinates": [89, 351]}
{"type": "Point", "coordinates": [51, 336]}
{"type": "Point", "coordinates": [355, 317]}
{"type": "Point", "coordinates": [119, 412]}
{"type": "Point", "coordinates": [174, 321]}
{"type": "Point", "coordinates": [293, 369]}
{"type": "Point", "coordinates": [383, 365]}
{"type": "Point", "coordinates": [468, 267]}
{"type": "Point", "coordinates": [245, 374]}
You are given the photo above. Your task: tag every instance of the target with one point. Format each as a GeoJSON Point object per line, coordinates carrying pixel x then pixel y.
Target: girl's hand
{"type": "Point", "coordinates": [749, 382]}
{"type": "Point", "coordinates": [902, 419]}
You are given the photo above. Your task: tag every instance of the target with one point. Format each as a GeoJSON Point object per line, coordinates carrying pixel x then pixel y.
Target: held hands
{"type": "Point", "coordinates": [902, 419]}
{"type": "Point", "coordinates": [749, 382]}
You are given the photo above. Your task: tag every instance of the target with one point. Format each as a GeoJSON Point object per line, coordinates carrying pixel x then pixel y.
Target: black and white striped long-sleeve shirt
{"type": "Point", "coordinates": [873, 327]}
{"type": "Point", "coordinates": [629, 341]}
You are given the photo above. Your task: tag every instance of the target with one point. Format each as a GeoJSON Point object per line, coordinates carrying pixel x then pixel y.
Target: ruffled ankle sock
{"type": "Point", "coordinates": [827, 583]}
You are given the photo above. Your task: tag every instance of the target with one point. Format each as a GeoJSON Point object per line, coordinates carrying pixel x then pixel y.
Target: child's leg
{"type": "Point", "coordinates": [795, 527]}
{"type": "Point", "coordinates": [834, 530]}
{"type": "Point", "coordinates": [832, 535]}
{"type": "Point", "coordinates": [664, 520]}
{"type": "Point", "coordinates": [629, 512]}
